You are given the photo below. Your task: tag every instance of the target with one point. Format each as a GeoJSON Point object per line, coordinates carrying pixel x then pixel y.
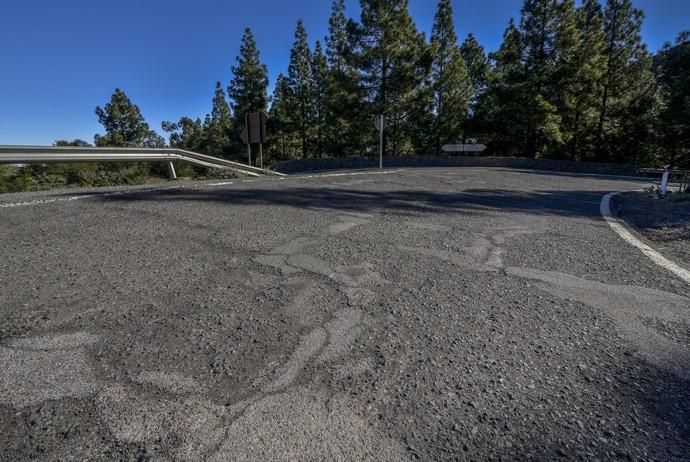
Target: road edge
{"type": "Point", "coordinates": [619, 227]}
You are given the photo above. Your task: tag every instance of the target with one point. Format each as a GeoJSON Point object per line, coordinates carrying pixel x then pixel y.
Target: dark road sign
{"type": "Point", "coordinates": [255, 129]}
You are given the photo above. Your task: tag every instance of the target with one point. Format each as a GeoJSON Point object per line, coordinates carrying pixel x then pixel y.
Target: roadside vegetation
{"type": "Point", "coordinates": [568, 82]}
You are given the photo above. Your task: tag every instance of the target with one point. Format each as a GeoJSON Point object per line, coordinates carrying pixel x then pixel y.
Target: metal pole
{"type": "Point", "coordinates": [261, 155]}
{"type": "Point", "coordinates": [249, 138]}
{"type": "Point", "coordinates": [664, 183]}
{"type": "Point", "coordinates": [381, 144]}
{"type": "Point", "coordinates": [171, 170]}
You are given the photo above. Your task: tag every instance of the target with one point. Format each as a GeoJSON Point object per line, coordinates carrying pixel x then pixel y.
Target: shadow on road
{"type": "Point", "coordinates": [655, 401]}
{"type": "Point", "coordinates": [565, 203]}
{"type": "Point", "coordinates": [590, 176]}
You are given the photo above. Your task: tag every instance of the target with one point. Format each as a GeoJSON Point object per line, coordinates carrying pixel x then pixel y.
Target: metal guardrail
{"type": "Point", "coordinates": [66, 154]}
{"type": "Point", "coordinates": [659, 171]}
{"type": "Point", "coordinates": [680, 178]}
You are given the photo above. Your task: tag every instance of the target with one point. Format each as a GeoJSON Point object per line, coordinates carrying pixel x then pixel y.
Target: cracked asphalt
{"type": "Point", "coordinates": [433, 314]}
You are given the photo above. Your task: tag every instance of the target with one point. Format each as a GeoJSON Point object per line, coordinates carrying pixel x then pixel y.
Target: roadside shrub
{"type": "Point", "coordinates": [678, 197]}
{"type": "Point", "coordinates": [652, 188]}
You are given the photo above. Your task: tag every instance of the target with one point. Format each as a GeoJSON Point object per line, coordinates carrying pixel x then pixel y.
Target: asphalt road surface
{"type": "Point", "coordinates": [433, 314]}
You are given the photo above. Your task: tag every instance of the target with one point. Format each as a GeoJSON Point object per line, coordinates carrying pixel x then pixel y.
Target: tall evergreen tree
{"type": "Point", "coordinates": [628, 86]}
{"type": "Point", "coordinates": [337, 41]}
{"type": "Point", "coordinates": [346, 120]}
{"type": "Point", "coordinates": [674, 117]}
{"type": "Point", "coordinates": [581, 67]}
{"type": "Point", "coordinates": [502, 108]}
{"type": "Point", "coordinates": [319, 83]}
{"type": "Point", "coordinates": [394, 63]}
{"type": "Point", "coordinates": [478, 66]}
{"type": "Point", "coordinates": [187, 133]}
{"type": "Point", "coordinates": [539, 25]}
{"type": "Point", "coordinates": [124, 125]}
{"type": "Point", "coordinates": [283, 136]}
{"type": "Point", "coordinates": [300, 81]}
{"type": "Point", "coordinates": [479, 70]}
{"type": "Point", "coordinates": [219, 125]}
{"type": "Point", "coordinates": [452, 88]}
{"type": "Point", "coordinates": [248, 90]}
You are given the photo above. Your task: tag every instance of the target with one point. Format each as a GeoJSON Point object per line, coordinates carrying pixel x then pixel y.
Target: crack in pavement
{"type": "Point", "coordinates": [634, 309]}
{"type": "Point", "coordinates": [484, 254]}
{"type": "Point", "coordinates": [625, 305]}
{"type": "Point", "coordinates": [275, 409]}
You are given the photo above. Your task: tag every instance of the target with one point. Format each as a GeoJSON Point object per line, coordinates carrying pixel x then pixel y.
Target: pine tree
{"type": "Point", "coordinates": [248, 90]}
{"type": "Point", "coordinates": [451, 85]}
{"type": "Point", "coordinates": [337, 41]}
{"type": "Point", "coordinates": [627, 87]}
{"type": "Point", "coordinates": [502, 108]}
{"type": "Point", "coordinates": [300, 80]}
{"type": "Point", "coordinates": [539, 25]}
{"type": "Point", "coordinates": [218, 125]}
{"type": "Point", "coordinates": [394, 63]}
{"type": "Point", "coordinates": [478, 67]}
{"type": "Point", "coordinates": [187, 134]}
{"type": "Point", "coordinates": [674, 117]}
{"type": "Point", "coordinates": [346, 120]}
{"type": "Point", "coordinates": [319, 84]}
{"type": "Point", "coordinates": [581, 67]}
{"type": "Point", "coordinates": [124, 125]}
{"type": "Point", "coordinates": [282, 123]}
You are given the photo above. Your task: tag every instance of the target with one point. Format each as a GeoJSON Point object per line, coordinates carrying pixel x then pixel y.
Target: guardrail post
{"type": "Point", "coordinates": [171, 170]}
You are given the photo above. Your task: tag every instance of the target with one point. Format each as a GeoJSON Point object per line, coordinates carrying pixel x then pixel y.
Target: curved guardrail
{"type": "Point", "coordinates": [62, 154]}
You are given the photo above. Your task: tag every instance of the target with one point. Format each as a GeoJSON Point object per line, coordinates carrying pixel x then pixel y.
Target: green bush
{"type": "Point", "coordinates": [52, 176]}
{"type": "Point", "coordinates": [678, 197]}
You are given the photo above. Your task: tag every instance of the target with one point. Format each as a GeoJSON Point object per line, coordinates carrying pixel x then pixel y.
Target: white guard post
{"type": "Point", "coordinates": [664, 181]}
{"type": "Point", "coordinates": [171, 171]}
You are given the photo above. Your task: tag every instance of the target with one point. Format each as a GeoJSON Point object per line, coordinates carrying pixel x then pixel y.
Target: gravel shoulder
{"type": "Point", "coordinates": [663, 223]}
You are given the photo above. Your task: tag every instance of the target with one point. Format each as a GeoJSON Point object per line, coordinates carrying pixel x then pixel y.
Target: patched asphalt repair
{"type": "Point", "coordinates": [434, 314]}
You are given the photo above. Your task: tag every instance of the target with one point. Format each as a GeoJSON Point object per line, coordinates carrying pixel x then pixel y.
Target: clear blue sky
{"type": "Point", "coordinates": [60, 59]}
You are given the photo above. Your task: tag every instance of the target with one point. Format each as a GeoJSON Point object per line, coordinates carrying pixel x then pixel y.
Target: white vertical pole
{"type": "Point", "coordinates": [381, 143]}
{"type": "Point", "coordinates": [249, 139]}
{"type": "Point", "coordinates": [171, 171]}
{"type": "Point", "coordinates": [664, 183]}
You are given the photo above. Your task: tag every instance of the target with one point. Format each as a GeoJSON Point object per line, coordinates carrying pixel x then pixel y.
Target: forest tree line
{"type": "Point", "coordinates": [567, 82]}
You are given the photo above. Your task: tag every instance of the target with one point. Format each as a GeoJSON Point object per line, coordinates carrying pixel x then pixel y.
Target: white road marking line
{"type": "Point", "coordinates": [24, 204]}
{"type": "Point", "coordinates": [653, 255]}
{"type": "Point", "coordinates": [385, 172]}
{"type": "Point", "coordinates": [85, 196]}
{"type": "Point", "coordinates": [222, 183]}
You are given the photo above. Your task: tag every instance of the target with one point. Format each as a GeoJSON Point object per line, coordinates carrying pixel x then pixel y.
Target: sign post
{"type": "Point", "coordinates": [254, 132]}
{"type": "Point", "coordinates": [380, 124]}
{"type": "Point", "coordinates": [244, 136]}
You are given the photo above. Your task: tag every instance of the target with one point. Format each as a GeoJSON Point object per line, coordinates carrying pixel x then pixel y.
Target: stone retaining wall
{"type": "Point", "coordinates": [336, 163]}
